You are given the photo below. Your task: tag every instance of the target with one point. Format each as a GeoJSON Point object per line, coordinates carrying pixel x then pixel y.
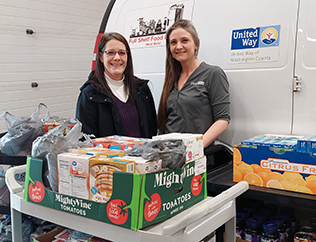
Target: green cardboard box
{"type": "Point", "coordinates": [137, 201]}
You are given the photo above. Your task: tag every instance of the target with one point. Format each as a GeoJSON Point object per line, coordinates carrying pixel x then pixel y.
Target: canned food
{"type": "Point", "coordinates": [308, 229]}
{"type": "Point", "coordinates": [303, 237]}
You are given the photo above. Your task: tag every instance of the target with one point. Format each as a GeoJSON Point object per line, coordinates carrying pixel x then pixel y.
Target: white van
{"type": "Point", "coordinates": [267, 49]}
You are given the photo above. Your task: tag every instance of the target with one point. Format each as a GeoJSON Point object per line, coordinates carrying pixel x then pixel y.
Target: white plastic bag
{"type": "Point", "coordinates": [55, 142]}
{"type": "Point", "coordinates": [22, 131]}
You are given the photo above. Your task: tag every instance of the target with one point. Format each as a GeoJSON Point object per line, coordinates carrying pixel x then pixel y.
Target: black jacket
{"type": "Point", "coordinates": [99, 115]}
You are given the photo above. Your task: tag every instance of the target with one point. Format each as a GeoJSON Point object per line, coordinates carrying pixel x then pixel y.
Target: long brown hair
{"type": "Point", "coordinates": [99, 79]}
{"type": "Point", "coordinates": [173, 69]}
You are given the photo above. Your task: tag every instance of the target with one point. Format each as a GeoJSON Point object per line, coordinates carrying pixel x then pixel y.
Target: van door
{"type": "Point", "coordinates": [254, 42]}
{"type": "Point", "coordinates": [304, 114]}
{"type": "Point", "coordinates": [260, 76]}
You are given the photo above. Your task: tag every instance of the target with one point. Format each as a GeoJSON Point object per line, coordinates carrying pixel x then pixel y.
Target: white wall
{"type": "Point", "coordinates": [57, 56]}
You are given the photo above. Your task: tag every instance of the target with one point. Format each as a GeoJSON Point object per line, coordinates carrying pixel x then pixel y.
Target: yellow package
{"type": "Point", "coordinates": [101, 176]}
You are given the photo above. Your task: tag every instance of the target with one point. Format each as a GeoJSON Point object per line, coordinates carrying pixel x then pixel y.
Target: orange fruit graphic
{"type": "Point", "coordinates": [241, 163]}
{"type": "Point", "coordinates": [265, 176]}
{"type": "Point", "coordinates": [253, 179]}
{"type": "Point", "coordinates": [276, 176]}
{"type": "Point", "coordinates": [245, 169]}
{"type": "Point", "coordinates": [274, 184]}
{"type": "Point", "coordinates": [302, 189]}
{"type": "Point", "coordinates": [287, 185]}
{"type": "Point", "coordinates": [298, 181]}
{"type": "Point", "coordinates": [237, 176]}
{"type": "Point", "coordinates": [310, 177]}
{"type": "Point", "coordinates": [311, 185]}
{"type": "Point", "coordinates": [244, 166]}
{"type": "Point", "coordinates": [256, 168]}
{"type": "Point", "coordinates": [236, 156]}
{"type": "Point", "coordinates": [290, 175]}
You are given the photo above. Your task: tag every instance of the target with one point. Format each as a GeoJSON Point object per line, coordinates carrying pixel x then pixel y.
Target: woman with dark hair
{"type": "Point", "coordinates": [195, 97]}
{"type": "Point", "coordinates": [113, 101]}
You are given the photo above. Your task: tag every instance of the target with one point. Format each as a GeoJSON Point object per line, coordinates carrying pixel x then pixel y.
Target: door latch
{"type": "Point", "coordinates": [297, 84]}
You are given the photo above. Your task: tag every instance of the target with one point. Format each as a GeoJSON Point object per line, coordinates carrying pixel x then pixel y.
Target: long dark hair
{"type": "Point", "coordinates": [99, 79]}
{"type": "Point", "coordinates": [173, 69]}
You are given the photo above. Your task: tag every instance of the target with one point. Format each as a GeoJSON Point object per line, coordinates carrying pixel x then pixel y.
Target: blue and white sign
{"type": "Point", "coordinates": [255, 44]}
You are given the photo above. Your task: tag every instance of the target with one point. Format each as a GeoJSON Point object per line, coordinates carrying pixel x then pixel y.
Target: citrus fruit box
{"type": "Point", "coordinates": [137, 201]}
{"type": "Point", "coordinates": [275, 168]}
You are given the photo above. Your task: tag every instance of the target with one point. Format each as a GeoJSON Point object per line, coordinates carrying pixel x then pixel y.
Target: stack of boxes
{"type": "Point", "coordinates": [112, 187]}
{"type": "Point", "coordinates": [284, 162]}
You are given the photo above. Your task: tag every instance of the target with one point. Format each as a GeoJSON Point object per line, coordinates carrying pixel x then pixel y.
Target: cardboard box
{"type": "Point", "coordinates": [137, 201]}
{"type": "Point", "coordinates": [49, 236]}
{"type": "Point", "coordinates": [277, 141]}
{"type": "Point", "coordinates": [142, 165]}
{"type": "Point", "coordinates": [101, 176]}
{"type": "Point", "coordinates": [100, 152]}
{"type": "Point", "coordinates": [117, 142]}
{"type": "Point", "coordinates": [268, 167]}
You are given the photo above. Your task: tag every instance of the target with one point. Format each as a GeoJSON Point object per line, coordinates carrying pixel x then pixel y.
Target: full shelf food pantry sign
{"type": "Point", "coordinates": [260, 44]}
{"type": "Point", "coordinates": [147, 27]}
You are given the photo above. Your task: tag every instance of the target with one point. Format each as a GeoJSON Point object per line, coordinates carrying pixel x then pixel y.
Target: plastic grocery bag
{"type": "Point", "coordinates": [56, 141]}
{"type": "Point", "coordinates": [22, 131]}
{"type": "Point", "coordinates": [4, 192]}
{"type": "Point", "coordinates": [171, 152]}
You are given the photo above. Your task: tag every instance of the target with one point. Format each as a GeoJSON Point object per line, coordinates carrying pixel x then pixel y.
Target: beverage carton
{"type": "Point", "coordinates": [73, 174]}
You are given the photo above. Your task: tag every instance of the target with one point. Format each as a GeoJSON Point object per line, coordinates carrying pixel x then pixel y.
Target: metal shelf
{"type": "Point", "coordinates": [190, 225]}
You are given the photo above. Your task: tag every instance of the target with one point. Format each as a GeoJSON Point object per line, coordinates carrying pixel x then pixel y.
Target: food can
{"type": "Point", "coordinates": [303, 237]}
{"type": "Point", "coordinates": [308, 229]}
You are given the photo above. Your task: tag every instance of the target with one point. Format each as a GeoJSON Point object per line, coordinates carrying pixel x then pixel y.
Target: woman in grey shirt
{"type": "Point", "coordinates": [195, 96]}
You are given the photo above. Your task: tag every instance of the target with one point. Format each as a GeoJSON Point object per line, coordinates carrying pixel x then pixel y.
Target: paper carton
{"type": "Point", "coordinates": [73, 174]}
{"type": "Point", "coordinates": [101, 176]}
{"type": "Point", "coordinates": [117, 142]}
{"type": "Point", "coordinates": [142, 165]}
{"type": "Point", "coordinates": [49, 236]}
{"type": "Point", "coordinates": [100, 152]}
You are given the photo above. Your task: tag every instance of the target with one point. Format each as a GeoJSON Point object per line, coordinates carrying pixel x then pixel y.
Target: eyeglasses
{"type": "Point", "coordinates": [113, 53]}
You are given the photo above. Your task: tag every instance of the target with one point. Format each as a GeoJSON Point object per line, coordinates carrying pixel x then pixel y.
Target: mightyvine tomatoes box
{"type": "Point", "coordinates": [137, 201]}
{"type": "Point", "coordinates": [277, 168]}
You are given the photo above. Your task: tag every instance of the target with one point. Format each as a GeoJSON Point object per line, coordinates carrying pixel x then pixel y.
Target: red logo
{"type": "Point", "coordinates": [116, 211]}
{"type": "Point", "coordinates": [36, 191]}
{"type": "Point", "coordinates": [196, 185]}
{"type": "Point", "coordinates": [152, 207]}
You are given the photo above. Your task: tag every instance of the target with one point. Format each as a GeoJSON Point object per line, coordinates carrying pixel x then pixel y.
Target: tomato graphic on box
{"type": "Point", "coordinates": [152, 207]}
{"type": "Point", "coordinates": [196, 185]}
{"type": "Point", "coordinates": [36, 191]}
{"type": "Point", "coordinates": [116, 211]}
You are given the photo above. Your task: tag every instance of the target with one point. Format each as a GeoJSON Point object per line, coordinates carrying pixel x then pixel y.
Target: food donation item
{"type": "Point", "coordinates": [101, 176]}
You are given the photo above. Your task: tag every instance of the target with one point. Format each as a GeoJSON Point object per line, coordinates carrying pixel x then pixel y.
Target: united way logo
{"type": "Point", "coordinates": [269, 36]}
{"type": "Point", "coordinates": [253, 38]}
